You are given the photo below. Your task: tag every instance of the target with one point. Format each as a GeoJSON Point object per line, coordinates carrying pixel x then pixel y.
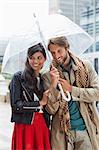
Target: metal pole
{"type": "Point", "coordinates": [65, 97]}
{"type": "Point", "coordinates": [94, 24]}
{"type": "Point", "coordinates": [74, 10]}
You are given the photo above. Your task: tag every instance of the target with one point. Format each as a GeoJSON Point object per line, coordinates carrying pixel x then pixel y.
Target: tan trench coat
{"type": "Point", "coordinates": [85, 96]}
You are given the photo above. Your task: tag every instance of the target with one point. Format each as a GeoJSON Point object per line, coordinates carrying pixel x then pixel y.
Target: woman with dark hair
{"type": "Point", "coordinates": [27, 98]}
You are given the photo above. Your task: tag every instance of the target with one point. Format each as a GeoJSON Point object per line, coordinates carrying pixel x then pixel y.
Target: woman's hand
{"type": "Point", "coordinates": [66, 86]}
{"type": "Point", "coordinates": [54, 76]}
{"type": "Point", "coordinates": [45, 98]}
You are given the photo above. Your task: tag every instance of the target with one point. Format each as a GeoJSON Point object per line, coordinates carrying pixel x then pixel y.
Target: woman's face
{"type": "Point", "coordinates": [36, 61]}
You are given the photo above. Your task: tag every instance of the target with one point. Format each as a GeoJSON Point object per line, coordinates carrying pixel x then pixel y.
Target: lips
{"type": "Point", "coordinates": [59, 59]}
{"type": "Point", "coordinates": [35, 65]}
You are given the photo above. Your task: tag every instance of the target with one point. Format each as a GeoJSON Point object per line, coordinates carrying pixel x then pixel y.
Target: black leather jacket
{"type": "Point", "coordinates": [22, 101]}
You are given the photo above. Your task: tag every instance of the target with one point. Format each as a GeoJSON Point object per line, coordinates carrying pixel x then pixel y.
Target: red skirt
{"type": "Point", "coordinates": [31, 137]}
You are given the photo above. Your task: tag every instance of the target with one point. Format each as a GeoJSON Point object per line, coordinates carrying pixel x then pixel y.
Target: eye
{"type": "Point", "coordinates": [53, 53]}
{"type": "Point", "coordinates": [39, 58]}
{"type": "Point", "coordinates": [59, 50]}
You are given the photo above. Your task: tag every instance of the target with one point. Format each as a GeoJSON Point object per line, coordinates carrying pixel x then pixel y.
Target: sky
{"type": "Point", "coordinates": [18, 14]}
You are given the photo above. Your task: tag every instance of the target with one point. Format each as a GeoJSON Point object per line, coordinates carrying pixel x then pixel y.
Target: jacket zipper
{"type": "Point", "coordinates": [32, 118]}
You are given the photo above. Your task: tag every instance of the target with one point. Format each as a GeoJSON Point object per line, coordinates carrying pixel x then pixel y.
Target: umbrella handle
{"type": "Point", "coordinates": [66, 98]}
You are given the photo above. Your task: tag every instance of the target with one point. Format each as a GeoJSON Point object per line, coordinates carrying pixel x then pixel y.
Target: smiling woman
{"type": "Point", "coordinates": [28, 100]}
{"type": "Point", "coordinates": [19, 14]}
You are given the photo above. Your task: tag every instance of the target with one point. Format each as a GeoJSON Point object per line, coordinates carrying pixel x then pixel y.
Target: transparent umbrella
{"type": "Point", "coordinates": [50, 26]}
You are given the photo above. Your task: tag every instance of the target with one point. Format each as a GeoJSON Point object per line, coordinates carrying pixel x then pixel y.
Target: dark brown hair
{"type": "Point", "coordinates": [61, 41]}
{"type": "Point", "coordinates": [36, 48]}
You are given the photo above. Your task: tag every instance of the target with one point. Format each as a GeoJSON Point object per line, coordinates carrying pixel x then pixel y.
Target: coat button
{"type": "Point", "coordinates": [78, 96]}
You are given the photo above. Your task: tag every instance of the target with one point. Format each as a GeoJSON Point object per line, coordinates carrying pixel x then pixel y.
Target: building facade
{"type": "Point", "coordinates": [86, 14]}
{"type": "Point", "coordinates": [71, 9]}
{"type": "Point", "coordinates": [89, 21]}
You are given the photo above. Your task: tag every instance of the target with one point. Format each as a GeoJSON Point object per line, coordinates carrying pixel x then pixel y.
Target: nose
{"type": "Point", "coordinates": [57, 55]}
{"type": "Point", "coordinates": [35, 61]}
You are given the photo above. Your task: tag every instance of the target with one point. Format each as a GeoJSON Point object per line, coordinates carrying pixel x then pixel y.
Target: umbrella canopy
{"type": "Point", "coordinates": [58, 25]}
{"type": "Point", "coordinates": [49, 27]}
{"type": "Point", "coordinates": [3, 86]}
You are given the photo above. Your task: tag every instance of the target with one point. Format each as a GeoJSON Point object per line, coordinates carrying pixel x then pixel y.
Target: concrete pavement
{"type": "Point", "coordinates": [6, 127]}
